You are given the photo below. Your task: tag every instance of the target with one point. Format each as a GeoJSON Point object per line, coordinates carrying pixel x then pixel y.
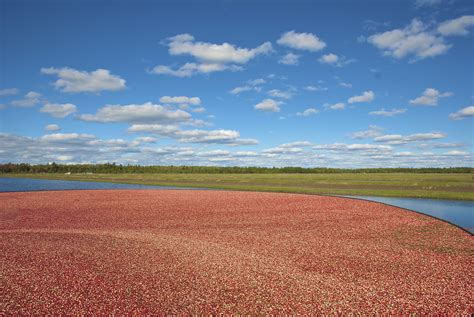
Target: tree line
{"type": "Point", "coordinates": [112, 168]}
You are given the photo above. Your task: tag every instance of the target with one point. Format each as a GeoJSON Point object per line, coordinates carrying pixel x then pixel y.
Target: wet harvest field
{"type": "Point", "coordinates": [183, 251]}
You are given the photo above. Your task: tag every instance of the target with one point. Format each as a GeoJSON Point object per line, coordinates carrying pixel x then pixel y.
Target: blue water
{"type": "Point", "coordinates": [458, 212]}
{"type": "Point", "coordinates": [28, 184]}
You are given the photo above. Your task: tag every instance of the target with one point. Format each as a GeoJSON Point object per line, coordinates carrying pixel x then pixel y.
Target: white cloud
{"type": "Point", "coordinates": [211, 57]}
{"type": "Point", "coordinates": [345, 85]}
{"type": "Point", "coordinates": [2, 106]}
{"type": "Point", "coordinates": [329, 59]}
{"type": "Point", "coordinates": [72, 80]}
{"type": "Point", "coordinates": [315, 88]}
{"type": "Point", "coordinates": [238, 90]}
{"type": "Point", "coordinates": [280, 94]}
{"type": "Point", "coordinates": [353, 147]}
{"type": "Point", "coordinates": [308, 112]}
{"type": "Point", "coordinates": [63, 158]}
{"type": "Point", "coordinates": [463, 113]}
{"type": "Point", "coordinates": [145, 139]}
{"type": "Point", "coordinates": [456, 153]}
{"type": "Point", "coordinates": [412, 40]}
{"type": "Point", "coordinates": [190, 69]}
{"type": "Point", "coordinates": [396, 139]}
{"type": "Point", "coordinates": [67, 137]}
{"type": "Point", "coordinates": [296, 144]}
{"type": "Point", "coordinates": [457, 26]}
{"type": "Point", "coordinates": [198, 110]}
{"type": "Point", "coordinates": [289, 59]}
{"type": "Point", "coordinates": [268, 105]}
{"type": "Point", "coordinates": [336, 106]}
{"type": "Point", "coordinates": [388, 113]}
{"type": "Point", "coordinates": [144, 113]}
{"type": "Point", "coordinates": [31, 99]}
{"type": "Point", "coordinates": [182, 100]}
{"type": "Point", "coordinates": [427, 3]}
{"type": "Point", "coordinates": [253, 84]}
{"type": "Point", "coordinates": [80, 149]}
{"type": "Point", "coordinates": [372, 132]}
{"type": "Point", "coordinates": [8, 91]}
{"type": "Point", "coordinates": [57, 110]}
{"type": "Point", "coordinates": [429, 97]}
{"type": "Point", "coordinates": [52, 127]}
{"type": "Point", "coordinates": [227, 137]}
{"type": "Point", "coordinates": [224, 53]}
{"type": "Point", "coordinates": [283, 150]}
{"type": "Point", "coordinates": [301, 41]}
{"type": "Point", "coordinates": [334, 60]}
{"type": "Point", "coordinates": [367, 96]}
{"type": "Point", "coordinates": [256, 82]}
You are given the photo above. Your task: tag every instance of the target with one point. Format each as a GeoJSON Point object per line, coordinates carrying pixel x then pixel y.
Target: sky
{"type": "Point", "coordinates": [344, 84]}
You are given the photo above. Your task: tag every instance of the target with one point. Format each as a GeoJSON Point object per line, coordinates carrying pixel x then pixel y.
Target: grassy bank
{"type": "Point", "coordinates": [438, 186]}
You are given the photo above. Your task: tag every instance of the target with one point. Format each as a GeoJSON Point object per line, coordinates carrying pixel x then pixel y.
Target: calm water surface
{"type": "Point", "coordinates": [458, 212]}
{"type": "Point", "coordinates": [28, 184]}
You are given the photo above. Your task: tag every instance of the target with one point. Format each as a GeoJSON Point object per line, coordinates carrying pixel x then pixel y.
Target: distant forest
{"type": "Point", "coordinates": [112, 168]}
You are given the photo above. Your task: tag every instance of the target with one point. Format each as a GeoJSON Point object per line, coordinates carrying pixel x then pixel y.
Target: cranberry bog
{"type": "Point", "coordinates": [202, 252]}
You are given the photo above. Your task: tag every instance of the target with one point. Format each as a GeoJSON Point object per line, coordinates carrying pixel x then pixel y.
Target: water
{"type": "Point", "coordinates": [28, 184]}
{"type": "Point", "coordinates": [458, 212]}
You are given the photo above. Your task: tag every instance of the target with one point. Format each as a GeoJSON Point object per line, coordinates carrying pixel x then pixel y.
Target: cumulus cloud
{"type": "Point", "coordinates": [334, 60]}
{"type": "Point", "coordinates": [336, 106]}
{"type": "Point", "coordinates": [427, 3]}
{"type": "Point", "coordinates": [268, 105]}
{"type": "Point", "coordinates": [190, 69]}
{"type": "Point", "coordinates": [283, 150]}
{"type": "Point", "coordinates": [211, 57]}
{"type": "Point", "coordinates": [257, 81]}
{"type": "Point", "coordinates": [254, 84]}
{"type": "Point", "coordinates": [289, 59]}
{"type": "Point", "coordinates": [457, 27]}
{"type": "Point", "coordinates": [57, 110]}
{"type": "Point", "coordinates": [52, 127]}
{"type": "Point", "coordinates": [463, 113]}
{"type": "Point", "coordinates": [301, 41]}
{"type": "Point", "coordinates": [315, 88]}
{"type": "Point", "coordinates": [367, 96]}
{"type": "Point", "coordinates": [240, 89]}
{"type": "Point", "coordinates": [182, 100]}
{"type": "Point", "coordinates": [345, 85]}
{"type": "Point", "coordinates": [8, 91]}
{"type": "Point", "coordinates": [77, 148]}
{"type": "Point", "coordinates": [31, 99]}
{"type": "Point", "coordinates": [372, 132]}
{"type": "Point", "coordinates": [412, 41]}
{"type": "Point", "coordinates": [67, 137]}
{"type": "Point", "coordinates": [396, 139]}
{"type": "Point", "coordinates": [296, 144]}
{"type": "Point", "coordinates": [429, 97]}
{"type": "Point", "coordinates": [227, 137]}
{"type": "Point", "coordinates": [72, 80]}
{"type": "Point", "coordinates": [144, 113]}
{"type": "Point", "coordinates": [353, 147]}
{"type": "Point", "coordinates": [456, 153]}
{"type": "Point", "coordinates": [276, 93]}
{"type": "Point", "coordinates": [224, 53]}
{"type": "Point", "coordinates": [388, 113]}
{"type": "Point", "coordinates": [308, 112]}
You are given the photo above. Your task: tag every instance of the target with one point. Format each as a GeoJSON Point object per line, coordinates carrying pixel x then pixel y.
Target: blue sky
{"type": "Point", "coordinates": [261, 83]}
